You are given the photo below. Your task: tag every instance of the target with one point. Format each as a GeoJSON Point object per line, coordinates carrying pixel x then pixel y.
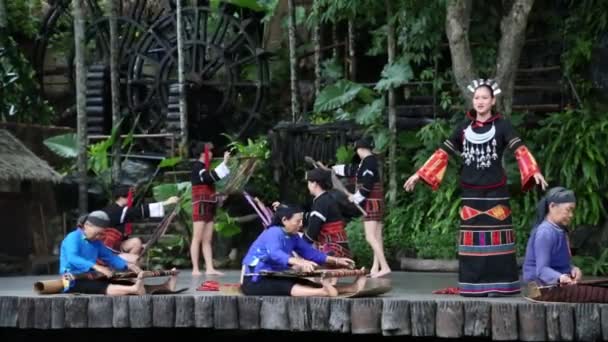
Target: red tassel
{"type": "Point", "coordinates": [207, 157]}
{"type": "Point", "coordinates": [129, 226]}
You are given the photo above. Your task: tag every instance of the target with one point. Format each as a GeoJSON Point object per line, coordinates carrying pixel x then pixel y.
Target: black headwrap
{"type": "Point", "coordinates": [99, 219]}
{"type": "Point", "coordinates": [554, 195]}
{"type": "Point", "coordinates": [286, 211]}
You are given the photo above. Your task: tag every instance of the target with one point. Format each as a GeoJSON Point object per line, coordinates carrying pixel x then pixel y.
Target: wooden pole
{"type": "Point", "coordinates": [293, 61]}
{"type": "Point", "coordinates": [392, 116]}
{"type": "Point", "coordinates": [115, 86]}
{"type": "Point", "coordinates": [81, 122]}
{"type": "Point", "coordinates": [180, 70]}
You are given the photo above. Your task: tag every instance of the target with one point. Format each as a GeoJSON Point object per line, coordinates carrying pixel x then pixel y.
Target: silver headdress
{"type": "Point", "coordinates": [488, 82]}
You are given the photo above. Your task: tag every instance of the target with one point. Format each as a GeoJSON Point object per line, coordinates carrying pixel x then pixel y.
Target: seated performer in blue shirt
{"type": "Point", "coordinates": [80, 251]}
{"type": "Point", "coordinates": [274, 250]}
{"type": "Point", "coordinates": [548, 260]}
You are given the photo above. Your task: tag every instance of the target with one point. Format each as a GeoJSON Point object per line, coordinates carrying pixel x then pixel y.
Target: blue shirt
{"type": "Point", "coordinates": [273, 248]}
{"type": "Point", "coordinates": [547, 254]}
{"type": "Point", "coordinates": [79, 255]}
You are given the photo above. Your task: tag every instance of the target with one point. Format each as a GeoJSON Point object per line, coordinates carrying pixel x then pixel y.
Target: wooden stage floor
{"type": "Point", "coordinates": [410, 309]}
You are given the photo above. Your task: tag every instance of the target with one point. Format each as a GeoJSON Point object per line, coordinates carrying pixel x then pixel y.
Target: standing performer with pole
{"type": "Point", "coordinates": [204, 205]}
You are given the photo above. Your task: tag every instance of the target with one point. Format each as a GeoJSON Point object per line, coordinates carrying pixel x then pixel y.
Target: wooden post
{"type": "Point", "coordinates": [115, 88]}
{"type": "Point", "coordinates": [392, 112]}
{"type": "Point", "coordinates": [180, 76]}
{"type": "Point", "coordinates": [316, 41]}
{"type": "Point", "coordinates": [293, 62]}
{"type": "Point", "coordinates": [81, 111]}
{"type": "Point", "coordinates": [352, 60]}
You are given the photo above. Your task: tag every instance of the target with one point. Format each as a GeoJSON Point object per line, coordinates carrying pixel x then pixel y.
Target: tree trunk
{"type": "Point", "coordinates": [293, 61]}
{"type": "Point", "coordinates": [3, 20]}
{"type": "Point", "coordinates": [513, 31]}
{"type": "Point", "coordinates": [180, 77]}
{"type": "Point", "coordinates": [316, 40]}
{"type": "Point", "coordinates": [513, 36]}
{"type": "Point", "coordinates": [81, 113]}
{"type": "Point", "coordinates": [352, 60]}
{"type": "Point", "coordinates": [115, 85]}
{"type": "Point", "coordinates": [457, 22]}
{"type": "Point", "coordinates": [392, 115]}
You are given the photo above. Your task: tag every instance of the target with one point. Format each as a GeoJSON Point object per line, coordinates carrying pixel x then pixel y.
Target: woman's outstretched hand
{"type": "Point", "coordinates": [538, 177]}
{"type": "Point", "coordinates": [411, 182]}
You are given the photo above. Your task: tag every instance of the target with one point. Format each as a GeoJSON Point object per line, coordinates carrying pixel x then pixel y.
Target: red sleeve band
{"type": "Point", "coordinates": [527, 167]}
{"type": "Point", "coordinates": [434, 168]}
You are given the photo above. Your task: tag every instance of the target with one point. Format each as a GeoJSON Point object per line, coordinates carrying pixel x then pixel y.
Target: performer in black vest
{"type": "Point", "coordinates": [121, 213]}
{"type": "Point", "coordinates": [325, 223]}
{"type": "Point", "coordinates": [370, 195]}
{"type": "Point", "coordinates": [204, 205]}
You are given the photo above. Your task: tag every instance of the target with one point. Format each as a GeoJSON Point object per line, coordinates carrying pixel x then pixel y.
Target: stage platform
{"type": "Point", "coordinates": [410, 309]}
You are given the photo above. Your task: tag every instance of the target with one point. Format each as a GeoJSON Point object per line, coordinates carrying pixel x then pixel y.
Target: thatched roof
{"type": "Point", "coordinates": [17, 162]}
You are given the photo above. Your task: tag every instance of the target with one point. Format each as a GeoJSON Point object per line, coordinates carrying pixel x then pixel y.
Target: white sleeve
{"type": "Point", "coordinates": [338, 169]}
{"type": "Point", "coordinates": [358, 197]}
{"type": "Point", "coordinates": [222, 170]}
{"type": "Point", "coordinates": [156, 209]}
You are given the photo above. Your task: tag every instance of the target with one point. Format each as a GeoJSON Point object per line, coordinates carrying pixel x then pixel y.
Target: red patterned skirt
{"type": "Point", "coordinates": [374, 204]}
{"type": "Point", "coordinates": [112, 238]}
{"type": "Point", "coordinates": [204, 203]}
{"type": "Point", "coordinates": [333, 240]}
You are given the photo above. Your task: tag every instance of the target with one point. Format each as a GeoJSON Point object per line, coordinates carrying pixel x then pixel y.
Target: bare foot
{"type": "Point", "coordinates": [196, 273]}
{"type": "Point", "coordinates": [381, 273]}
{"type": "Point", "coordinates": [329, 288]}
{"type": "Point", "coordinates": [360, 283]}
{"type": "Point", "coordinates": [172, 282]}
{"type": "Point", "coordinates": [139, 284]}
{"type": "Point", "coordinates": [214, 273]}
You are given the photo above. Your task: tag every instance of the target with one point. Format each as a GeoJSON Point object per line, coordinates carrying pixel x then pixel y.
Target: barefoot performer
{"type": "Point", "coordinates": [81, 249]}
{"type": "Point", "coordinates": [204, 205]}
{"type": "Point", "coordinates": [274, 250]}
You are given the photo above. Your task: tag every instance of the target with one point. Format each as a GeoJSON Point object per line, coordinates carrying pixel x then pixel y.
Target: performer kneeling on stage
{"type": "Point", "coordinates": [548, 260]}
{"type": "Point", "coordinates": [273, 251]}
{"type": "Point", "coordinates": [81, 249]}
{"type": "Point", "coordinates": [121, 214]}
{"type": "Point", "coordinates": [325, 224]}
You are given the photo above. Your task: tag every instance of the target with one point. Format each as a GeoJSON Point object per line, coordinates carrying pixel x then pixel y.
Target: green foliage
{"type": "Point", "coordinates": [587, 20]}
{"type": "Point", "coordinates": [358, 245]}
{"type": "Point", "coordinates": [257, 148]}
{"type": "Point", "coordinates": [344, 154]}
{"type": "Point", "coordinates": [340, 94]}
{"type": "Point", "coordinates": [331, 71]}
{"type": "Point", "coordinates": [394, 76]}
{"type": "Point", "coordinates": [592, 266]}
{"type": "Point", "coordinates": [267, 6]}
{"type": "Point", "coordinates": [19, 101]}
{"type": "Point", "coordinates": [573, 158]}
{"type": "Point", "coordinates": [225, 225]}
{"type": "Point", "coordinates": [24, 17]}
{"type": "Point", "coordinates": [63, 145]}
{"type": "Point", "coordinates": [171, 253]}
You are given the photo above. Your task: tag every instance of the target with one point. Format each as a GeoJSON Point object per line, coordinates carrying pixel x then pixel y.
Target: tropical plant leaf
{"type": "Point", "coordinates": [381, 139]}
{"type": "Point", "coordinates": [63, 145]}
{"type": "Point", "coordinates": [394, 75]}
{"type": "Point", "coordinates": [336, 95]}
{"type": "Point", "coordinates": [163, 191]}
{"type": "Point", "coordinates": [331, 70]}
{"type": "Point", "coordinates": [370, 113]}
{"type": "Point", "coordinates": [169, 162]}
{"type": "Point", "coordinates": [344, 155]}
